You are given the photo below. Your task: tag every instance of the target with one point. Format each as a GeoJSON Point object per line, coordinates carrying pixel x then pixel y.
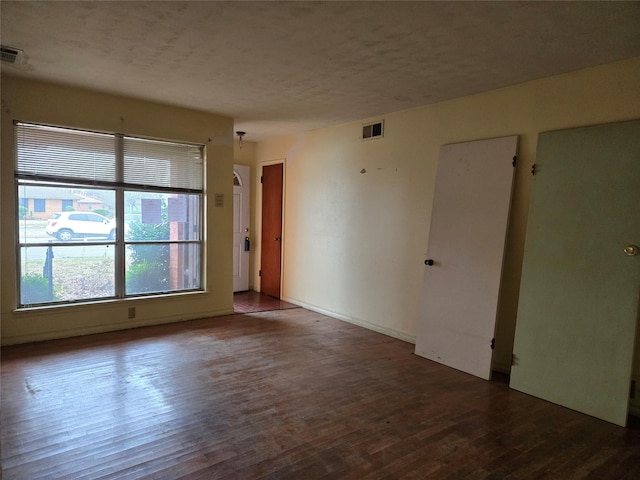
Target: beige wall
{"type": "Point", "coordinates": [50, 104]}
{"type": "Point", "coordinates": [354, 243]}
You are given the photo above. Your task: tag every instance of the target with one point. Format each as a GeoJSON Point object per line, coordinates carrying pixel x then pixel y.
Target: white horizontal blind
{"type": "Point", "coordinates": [61, 153]}
{"type": "Point", "coordinates": [162, 164]}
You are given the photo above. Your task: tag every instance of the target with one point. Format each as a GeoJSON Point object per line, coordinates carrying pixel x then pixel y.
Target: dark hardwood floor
{"type": "Point", "coordinates": [286, 394]}
{"type": "Point", "coordinates": [252, 302]}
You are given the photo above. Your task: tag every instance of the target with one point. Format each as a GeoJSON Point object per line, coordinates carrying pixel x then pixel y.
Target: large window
{"type": "Point", "coordinates": [121, 216]}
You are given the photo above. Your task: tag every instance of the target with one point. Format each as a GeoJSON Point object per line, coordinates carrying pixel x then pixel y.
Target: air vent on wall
{"type": "Point", "coordinates": [373, 130]}
{"type": "Point", "coordinates": [10, 55]}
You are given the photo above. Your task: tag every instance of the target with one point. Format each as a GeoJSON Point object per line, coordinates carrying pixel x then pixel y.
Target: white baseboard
{"type": "Point", "coordinates": [355, 321]}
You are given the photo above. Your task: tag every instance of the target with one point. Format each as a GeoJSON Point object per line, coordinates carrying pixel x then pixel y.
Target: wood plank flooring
{"type": "Point", "coordinates": [286, 394]}
{"type": "Point", "coordinates": [252, 302]}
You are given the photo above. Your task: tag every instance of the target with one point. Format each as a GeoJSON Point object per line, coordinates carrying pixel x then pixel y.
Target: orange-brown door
{"type": "Point", "coordinates": [272, 181]}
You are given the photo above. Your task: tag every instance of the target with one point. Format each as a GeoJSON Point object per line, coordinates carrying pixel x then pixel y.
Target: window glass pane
{"type": "Point", "coordinates": [64, 273]}
{"type": "Point", "coordinates": [67, 214]}
{"type": "Point", "coordinates": [161, 216]}
{"type": "Point", "coordinates": [154, 268]}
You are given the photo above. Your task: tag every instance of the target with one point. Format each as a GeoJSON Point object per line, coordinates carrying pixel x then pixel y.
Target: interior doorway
{"type": "Point", "coordinates": [271, 235]}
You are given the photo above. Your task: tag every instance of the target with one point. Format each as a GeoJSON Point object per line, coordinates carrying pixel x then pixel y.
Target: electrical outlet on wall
{"type": "Point", "coordinates": [132, 312]}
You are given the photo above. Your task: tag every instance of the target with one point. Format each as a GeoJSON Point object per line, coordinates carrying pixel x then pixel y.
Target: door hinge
{"type": "Point", "coordinates": [259, 273]}
{"type": "Point", "coordinates": [533, 169]}
{"type": "Point", "coordinates": [261, 179]}
{"type": "Point", "coordinates": [493, 343]}
{"type": "Point", "coordinates": [515, 160]}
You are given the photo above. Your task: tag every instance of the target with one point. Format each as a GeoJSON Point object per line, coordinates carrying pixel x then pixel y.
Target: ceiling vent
{"type": "Point", "coordinates": [373, 130]}
{"type": "Point", "coordinates": [11, 55]}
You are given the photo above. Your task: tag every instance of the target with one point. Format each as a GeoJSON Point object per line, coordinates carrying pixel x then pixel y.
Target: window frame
{"type": "Point", "coordinates": [119, 189]}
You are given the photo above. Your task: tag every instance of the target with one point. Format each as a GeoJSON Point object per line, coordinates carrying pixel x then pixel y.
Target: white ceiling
{"type": "Point", "coordinates": [285, 67]}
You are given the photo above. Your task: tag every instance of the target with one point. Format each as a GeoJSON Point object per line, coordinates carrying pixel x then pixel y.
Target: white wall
{"type": "Point", "coordinates": [354, 243]}
{"type": "Point", "coordinates": [50, 104]}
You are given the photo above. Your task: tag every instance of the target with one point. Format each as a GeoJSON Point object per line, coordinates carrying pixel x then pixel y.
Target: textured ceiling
{"type": "Point", "coordinates": [285, 67]}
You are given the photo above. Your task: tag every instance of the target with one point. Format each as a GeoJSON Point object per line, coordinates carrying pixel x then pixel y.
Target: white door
{"type": "Point", "coordinates": [466, 245]}
{"type": "Point", "coordinates": [578, 308]}
{"type": "Point", "coordinates": [241, 237]}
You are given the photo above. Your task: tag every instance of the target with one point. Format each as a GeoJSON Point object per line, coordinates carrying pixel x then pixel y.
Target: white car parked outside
{"type": "Point", "coordinates": [68, 225]}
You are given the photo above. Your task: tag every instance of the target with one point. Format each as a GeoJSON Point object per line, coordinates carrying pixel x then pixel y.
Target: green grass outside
{"type": "Point", "coordinates": [78, 278]}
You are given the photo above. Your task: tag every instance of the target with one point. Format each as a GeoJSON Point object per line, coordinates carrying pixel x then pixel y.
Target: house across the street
{"type": "Point", "coordinates": [42, 202]}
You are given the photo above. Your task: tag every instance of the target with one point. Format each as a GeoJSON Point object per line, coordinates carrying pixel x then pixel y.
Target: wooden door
{"type": "Point", "coordinates": [578, 305]}
{"type": "Point", "coordinates": [271, 257]}
{"type": "Point", "coordinates": [466, 244]}
{"type": "Point", "coordinates": [241, 219]}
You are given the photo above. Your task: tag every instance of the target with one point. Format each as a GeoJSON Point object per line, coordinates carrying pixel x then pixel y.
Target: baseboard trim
{"type": "Point", "coordinates": [355, 321]}
{"type": "Point", "coordinates": [79, 332]}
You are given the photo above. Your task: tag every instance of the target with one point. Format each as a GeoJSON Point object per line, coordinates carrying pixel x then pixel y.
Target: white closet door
{"type": "Point", "coordinates": [466, 244]}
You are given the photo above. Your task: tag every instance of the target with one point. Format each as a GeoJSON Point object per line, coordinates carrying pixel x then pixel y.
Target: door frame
{"type": "Point", "coordinates": [258, 228]}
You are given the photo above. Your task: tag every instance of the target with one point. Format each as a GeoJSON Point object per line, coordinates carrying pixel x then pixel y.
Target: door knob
{"type": "Point", "coordinates": [631, 250]}
{"type": "Point", "coordinates": [428, 262]}
{"type": "Point", "coordinates": [277, 239]}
